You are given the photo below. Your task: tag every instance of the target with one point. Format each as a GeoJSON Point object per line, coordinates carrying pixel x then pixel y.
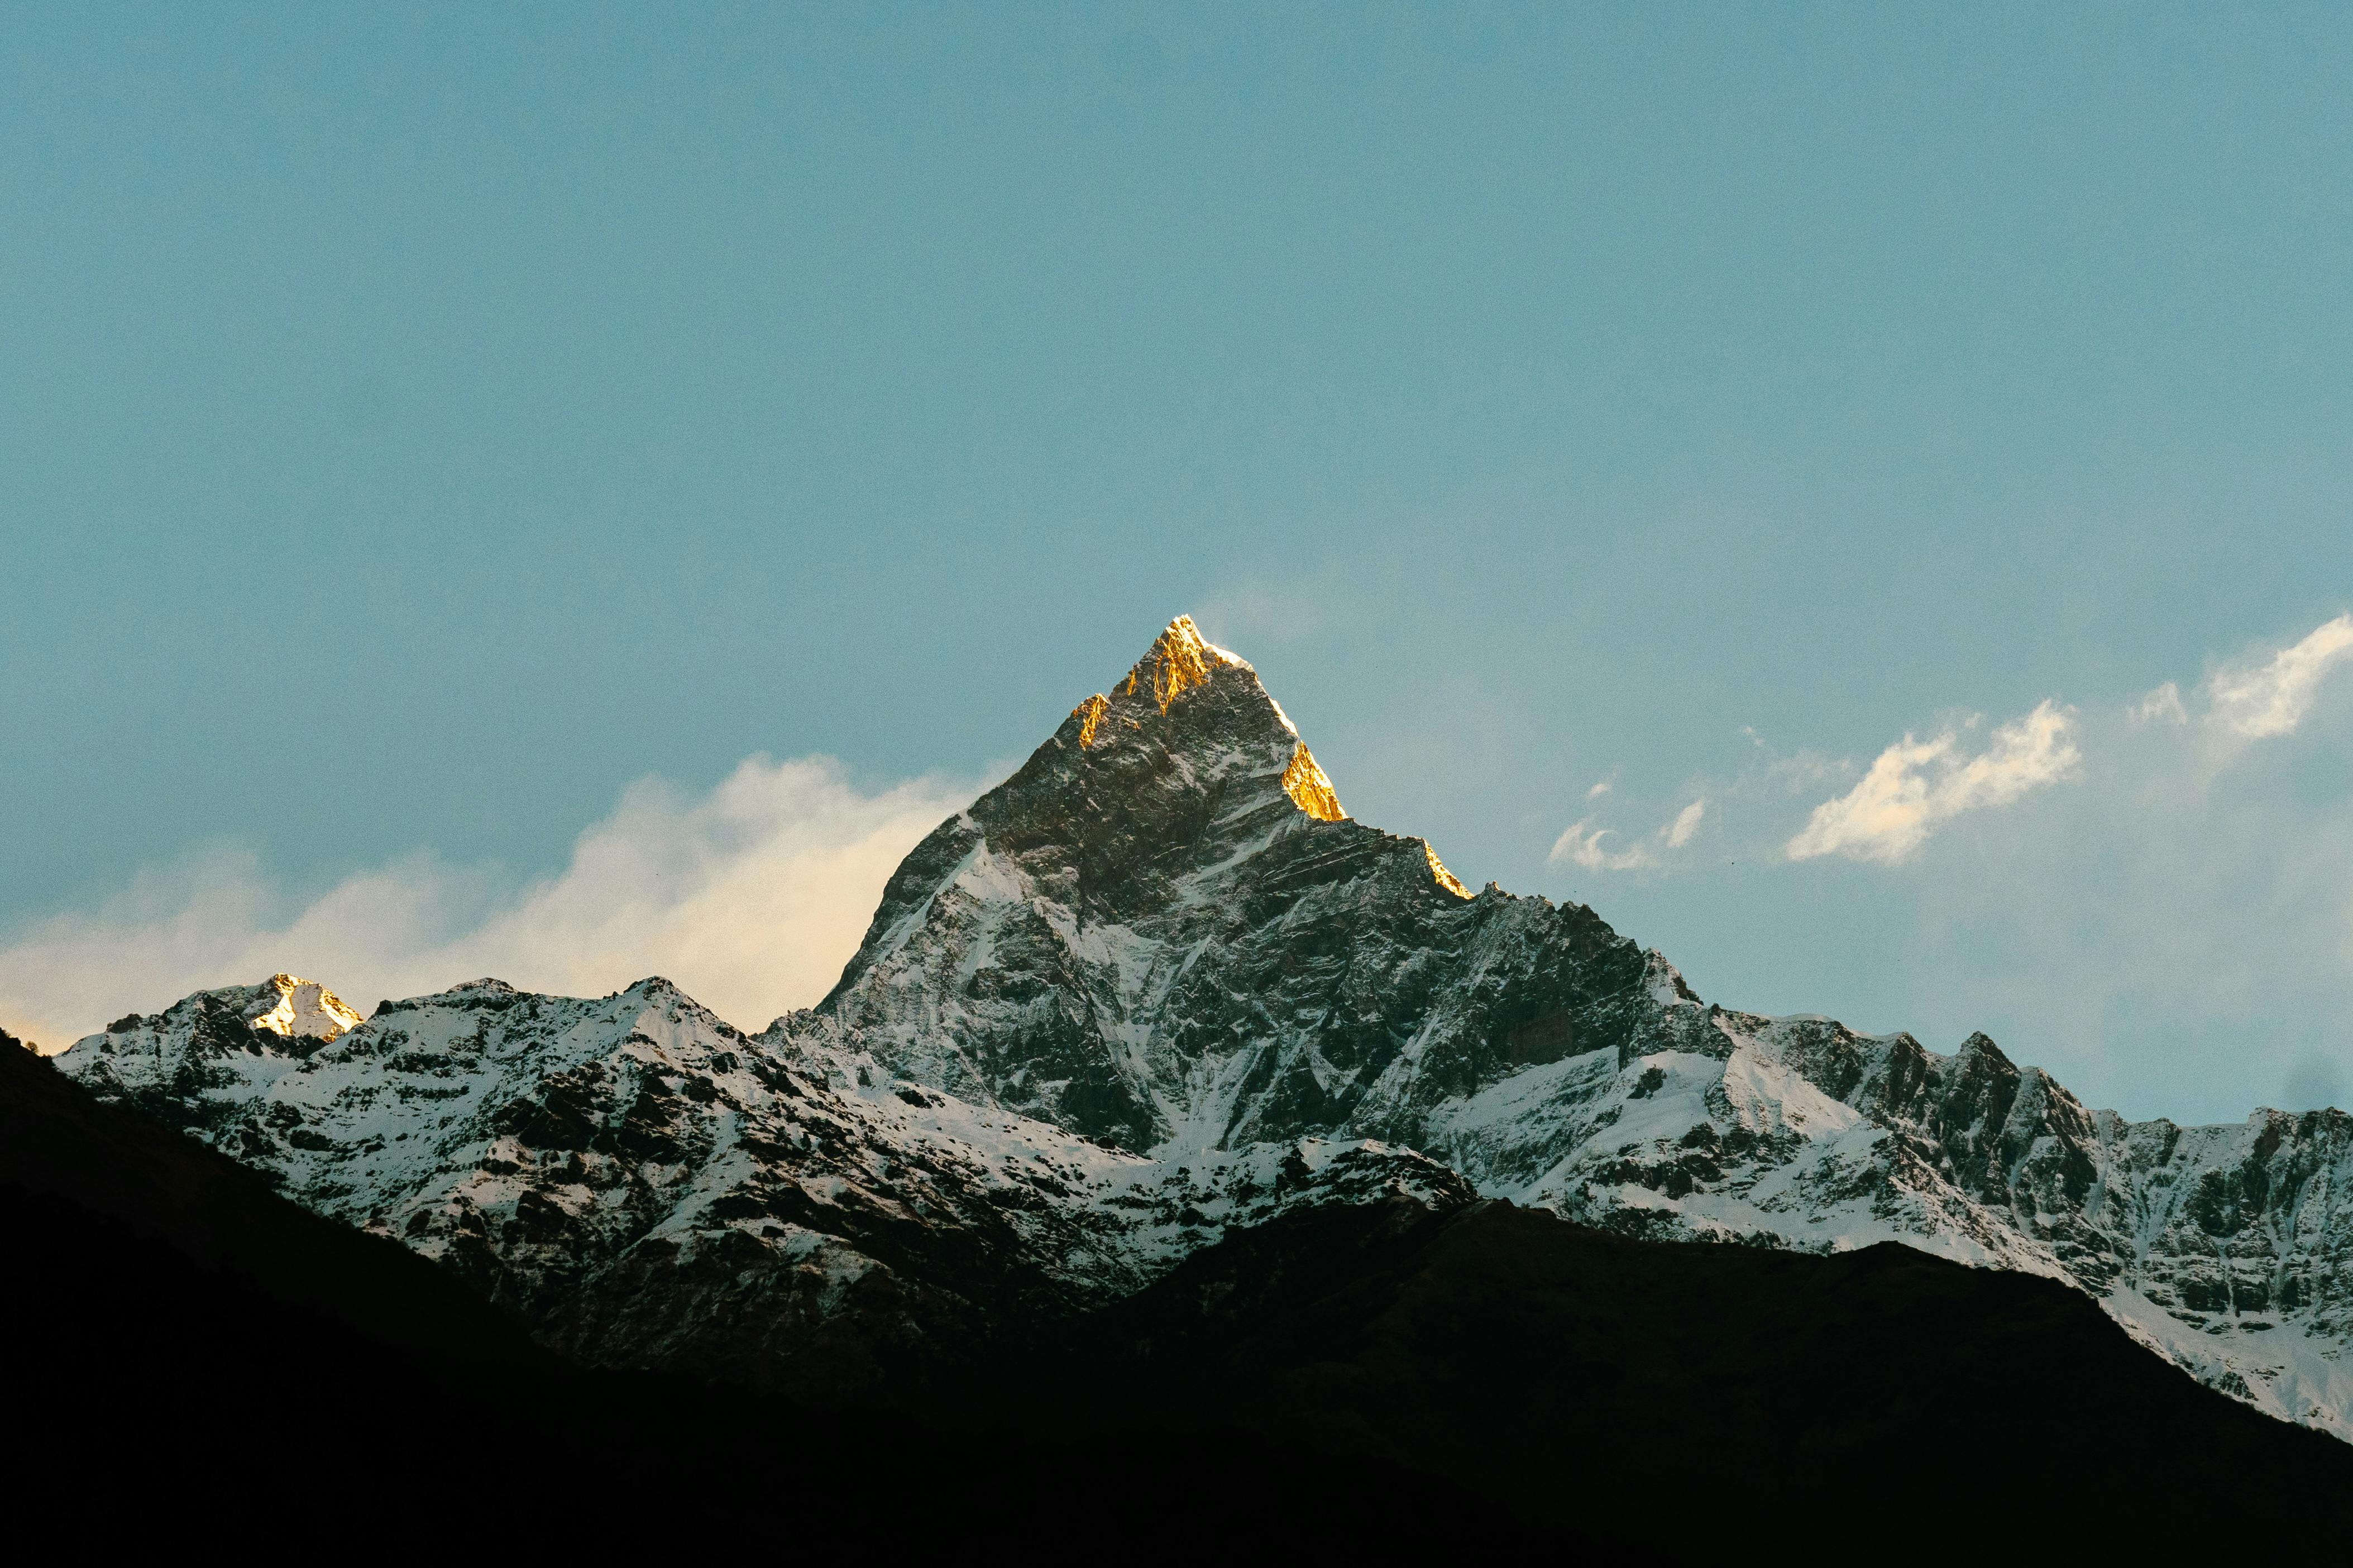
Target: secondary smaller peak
{"type": "Point", "coordinates": [1444, 877]}
{"type": "Point", "coordinates": [303, 1009]}
{"type": "Point", "coordinates": [1310, 788]}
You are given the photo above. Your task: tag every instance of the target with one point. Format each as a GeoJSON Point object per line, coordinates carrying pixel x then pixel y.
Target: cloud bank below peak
{"type": "Point", "coordinates": [752, 897]}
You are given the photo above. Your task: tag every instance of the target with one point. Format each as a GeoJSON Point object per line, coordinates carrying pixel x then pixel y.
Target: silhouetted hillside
{"type": "Point", "coordinates": [1679, 1393]}
{"type": "Point", "coordinates": [193, 1353]}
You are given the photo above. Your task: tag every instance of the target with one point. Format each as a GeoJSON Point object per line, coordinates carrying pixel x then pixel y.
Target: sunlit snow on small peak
{"type": "Point", "coordinates": [1446, 879]}
{"type": "Point", "coordinates": [304, 1010]}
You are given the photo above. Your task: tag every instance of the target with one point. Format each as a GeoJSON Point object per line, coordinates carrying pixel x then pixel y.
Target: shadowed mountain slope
{"type": "Point", "coordinates": [1382, 1375]}
{"type": "Point", "coordinates": [192, 1354]}
{"type": "Point", "coordinates": [647, 1189]}
{"type": "Point", "coordinates": [1684, 1394]}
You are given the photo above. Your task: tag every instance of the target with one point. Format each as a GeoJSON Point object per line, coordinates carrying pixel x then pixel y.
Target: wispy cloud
{"type": "Point", "coordinates": [1582, 844]}
{"type": "Point", "coordinates": [2271, 696]}
{"type": "Point", "coordinates": [750, 897]}
{"type": "Point", "coordinates": [2170, 933]}
{"type": "Point", "coordinates": [1915, 786]}
{"type": "Point", "coordinates": [2162, 705]}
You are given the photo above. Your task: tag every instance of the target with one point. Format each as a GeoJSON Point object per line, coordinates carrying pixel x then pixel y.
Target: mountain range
{"type": "Point", "coordinates": [1155, 1018]}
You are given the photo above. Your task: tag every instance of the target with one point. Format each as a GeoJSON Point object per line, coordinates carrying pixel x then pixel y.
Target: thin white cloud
{"type": "Point", "coordinates": [1585, 849]}
{"type": "Point", "coordinates": [1598, 790]}
{"type": "Point", "coordinates": [2258, 699]}
{"type": "Point", "coordinates": [1806, 770]}
{"type": "Point", "coordinates": [2167, 936]}
{"type": "Point", "coordinates": [2161, 706]}
{"type": "Point", "coordinates": [752, 897]}
{"type": "Point", "coordinates": [2170, 933]}
{"type": "Point", "coordinates": [1915, 786]}
{"type": "Point", "coordinates": [1581, 844]}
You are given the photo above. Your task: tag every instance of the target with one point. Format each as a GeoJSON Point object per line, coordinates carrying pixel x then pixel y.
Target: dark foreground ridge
{"type": "Point", "coordinates": [1594, 1383]}
{"type": "Point", "coordinates": [195, 1353]}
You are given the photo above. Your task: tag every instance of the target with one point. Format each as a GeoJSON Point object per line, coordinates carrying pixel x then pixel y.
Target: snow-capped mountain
{"type": "Point", "coordinates": [1157, 984]}
{"type": "Point", "coordinates": [646, 1187]}
{"type": "Point", "coordinates": [1153, 935]}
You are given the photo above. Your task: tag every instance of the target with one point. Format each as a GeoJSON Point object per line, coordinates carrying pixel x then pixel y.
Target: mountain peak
{"type": "Point", "coordinates": [1173, 851]}
{"type": "Point", "coordinates": [1239, 719]}
{"type": "Point", "coordinates": [1438, 871]}
{"type": "Point", "coordinates": [304, 1009]}
{"type": "Point", "coordinates": [1178, 660]}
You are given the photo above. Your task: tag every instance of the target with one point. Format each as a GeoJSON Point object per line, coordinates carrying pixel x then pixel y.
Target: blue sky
{"type": "Point", "coordinates": [420, 430]}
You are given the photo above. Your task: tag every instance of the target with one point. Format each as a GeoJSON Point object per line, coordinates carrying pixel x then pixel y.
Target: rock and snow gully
{"type": "Point", "coordinates": [1155, 985]}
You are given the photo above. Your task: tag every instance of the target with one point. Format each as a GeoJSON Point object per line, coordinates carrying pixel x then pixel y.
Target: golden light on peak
{"type": "Point", "coordinates": [305, 1009]}
{"type": "Point", "coordinates": [1309, 789]}
{"type": "Point", "coordinates": [1179, 660]}
{"type": "Point", "coordinates": [1445, 878]}
{"type": "Point", "coordinates": [1090, 716]}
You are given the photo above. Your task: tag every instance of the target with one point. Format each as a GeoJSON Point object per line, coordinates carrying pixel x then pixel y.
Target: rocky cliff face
{"type": "Point", "coordinates": [1157, 984]}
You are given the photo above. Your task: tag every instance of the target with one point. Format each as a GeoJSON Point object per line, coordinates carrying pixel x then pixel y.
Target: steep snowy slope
{"type": "Point", "coordinates": [1154, 935]}
{"type": "Point", "coordinates": [649, 1189]}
